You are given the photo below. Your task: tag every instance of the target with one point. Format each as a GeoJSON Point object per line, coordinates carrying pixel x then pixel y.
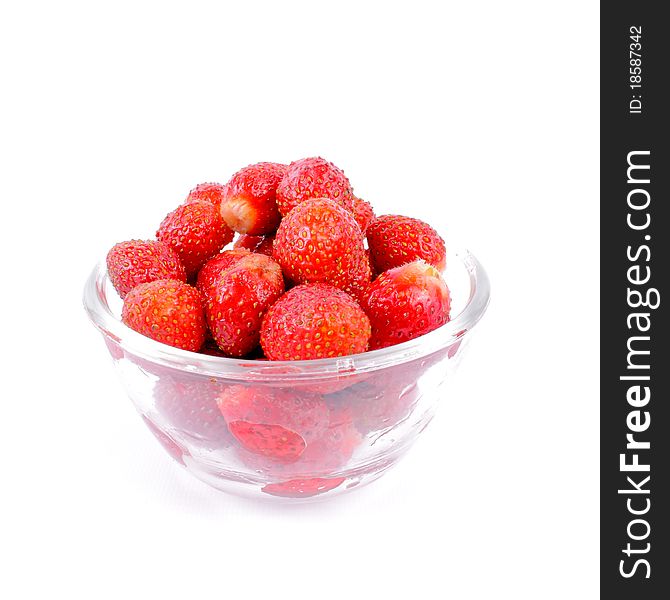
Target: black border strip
{"type": "Point", "coordinates": [635, 347]}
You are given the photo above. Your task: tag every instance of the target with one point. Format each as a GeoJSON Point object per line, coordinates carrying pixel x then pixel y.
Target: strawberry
{"type": "Point", "coordinates": [211, 270]}
{"type": "Point", "coordinates": [237, 298]}
{"type": "Point", "coordinates": [260, 244]}
{"type": "Point", "coordinates": [273, 422]}
{"type": "Point", "coordinates": [303, 488]}
{"type": "Point", "coordinates": [314, 321]}
{"type": "Point", "coordinates": [196, 232]}
{"type": "Point", "coordinates": [249, 202]}
{"type": "Point", "coordinates": [335, 446]}
{"type": "Point", "coordinates": [167, 311]}
{"type": "Point", "coordinates": [373, 271]}
{"type": "Point", "coordinates": [406, 302]}
{"type": "Point", "coordinates": [391, 395]}
{"type": "Point", "coordinates": [313, 178]}
{"type": "Point", "coordinates": [134, 262]}
{"type": "Point", "coordinates": [363, 213]}
{"type": "Point", "coordinates": [190, 407]}
{"type": "Point", "coordinates": [206, 192]}
{"type": "Point", "coordinates": [380, 402]}
{"type": "Point", "coordinates": [387, 397]}
{"type": "Point", "coordinates": [388, 410]}
{"type": "Point", "coordinates": [361, 279]}
{"type": "Point", "coordinates": [319, 242]}
{"type": "Point", "coordinates": [395, 240]}
{"type": "Point", "coordinates": [322, 456]}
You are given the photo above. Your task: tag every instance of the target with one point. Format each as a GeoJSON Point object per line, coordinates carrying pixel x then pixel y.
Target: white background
{"type": "Point", "coordinates": [481, 117]}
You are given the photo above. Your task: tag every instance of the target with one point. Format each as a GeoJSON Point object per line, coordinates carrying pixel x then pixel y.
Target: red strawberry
{"type": "Point", "coordinates": [361, 280]}
{"type": "Point", "coordinates": [395, 240]}
{"type": "Point", "coordinates": [363, 213]}
{"type": "Point", "coordinates": [249, 202]}
{"type": "Point", "coordinates": [313, 178]}
{"type": "Point", "coordinates": [134, 262]}
{"type": "Point", "coordinates": [388, 396]}
{"type": "Point", "coordinates": [266, 246]}
{"type": "Point", "coordinates": [237, 298]}
{"type": "Point", "coordinates": [373, 271]}
{"type": "Point", "coordinates": [248, 242]}
{"type": "Point", "coordinates": [319, 242]}
{"type": "Point", "coordinates": [303, 488]}
{"type": "Point", "coordinates": [273, 422]}
{"type": "Point", "coordinates": [406, 302]}
{"type": "Point", "coordinates": [167, 311]}
{"type": "Point", "coordinates": [335, 446]}
{"type": "Point", "coordinates": [314, 321]}
{"type": "Point", "coordinates": [392, 407]}
{"type": "Point", "coordinates": [260, 244]}
{"type": "Point", "coordinates": [380, 402]}
{"type": "Point", "coordinates": [196, 232]}
{"type": "Point", "coordinates": [190, 407]}
{"type": "Point", "coordinates": [322, 456]}
{"type": "Point", "coordinates": [206, 192]}
{"type": "Point", "coordinates": [211, 270]}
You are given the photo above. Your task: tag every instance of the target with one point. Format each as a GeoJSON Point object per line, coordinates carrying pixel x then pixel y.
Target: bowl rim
{"type": "Point", "coordinates": [100, 314]}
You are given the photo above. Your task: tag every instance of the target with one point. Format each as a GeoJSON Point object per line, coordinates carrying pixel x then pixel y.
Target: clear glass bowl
{"type": "Point", "coordinates": [366, 410]}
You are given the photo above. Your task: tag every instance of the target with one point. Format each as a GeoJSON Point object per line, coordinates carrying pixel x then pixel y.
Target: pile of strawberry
{"type": "Point", "coordinates": [312, 274]}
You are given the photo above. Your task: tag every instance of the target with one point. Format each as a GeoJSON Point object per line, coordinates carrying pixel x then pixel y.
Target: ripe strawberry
{"type": "Point", "coordinates": [190, 407]}
{"type": "Point", "coordinates": [313, 178]}
{"type": "Point", "coordinates": [237, 299]}
{"type": "Point", "coordinates": [322, 456]}
{"type": "Point", "coordinates": [260, 244]}
{"type": "Point", "coordinates": [195, 231]}
{"type": "Point", "coordinates": [319, 242]}
{"type": "Point", "coordinates": [395, 240]}
{"type": "Point", "coordinates": [334, 447]}
{"type": "Point", "coordinates": [211, 270]}
{"type": "Point", "coordinates": [303, 488]}
{"type": "Point", "coordinates": [134, 262]}
{"type": "Point", "coordinates": [380, 402]}
{"type": "Point", "coordinates": [167, 311]}
{"type": "Point", "coordinates": [406, 302]}
{"type": "Point", "coordinates": [373, 271]}
{"type": "Point", "coordinates": [361, 280]}
{"type": "Point", "coordinates": [391, 407]}
{"type": "Point", "coordinates": [314, 321]}
{"type": "Point", "coordinates": [388, 396]}
{"type": "Point", "coordinates": [206, 192]}
{"type": "Point", "coordinates": [273, 422]}
{"type": "Point", "coordinates": [249, 202]}
{"type": "Point", "coordinates": [363, 213]}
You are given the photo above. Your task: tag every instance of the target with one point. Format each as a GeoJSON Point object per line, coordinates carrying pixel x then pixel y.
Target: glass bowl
{"type": "Point", "coordinates": [357, 414]}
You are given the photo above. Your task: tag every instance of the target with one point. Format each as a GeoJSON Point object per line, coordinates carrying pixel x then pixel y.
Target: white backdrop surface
{"type": "Point", "coordinates": [480, 117]}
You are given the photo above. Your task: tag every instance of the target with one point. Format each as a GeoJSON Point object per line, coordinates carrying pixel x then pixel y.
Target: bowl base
{"type": "Point", "coordinates": [299, 490]}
